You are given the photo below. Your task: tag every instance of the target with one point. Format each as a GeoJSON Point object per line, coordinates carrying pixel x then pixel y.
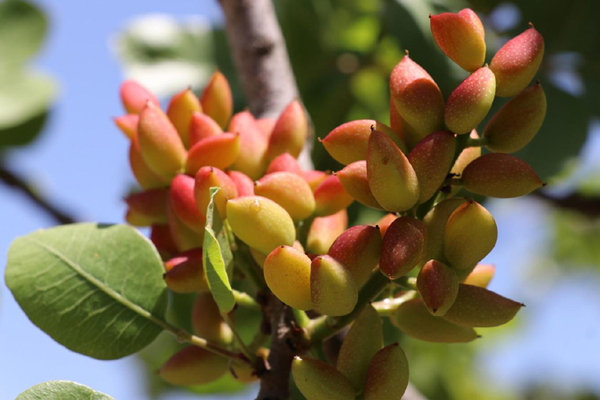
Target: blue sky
{"type": "Point", "coordinates": [81, 161]}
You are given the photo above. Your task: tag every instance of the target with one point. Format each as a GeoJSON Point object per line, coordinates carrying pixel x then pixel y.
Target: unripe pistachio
{"type": "Point", "coordinates": [251, 160]}
{"type": "Point", "coordinates": [438, 287]}
{"type": "Point", "coordinates": [500, 175]}
{"type": "Point", "coordinates": [184, 237]}
{"type": "Point", "coordinates": [348, 142]}
{"type": "Point", "coordinates": [260, 257]}
{"type": "Point", "coordinates": [245, 373]}
{"type": "Point", "coordinates": [324, 230]}
{"type": "Point", "coordinates": [266, 125]}
{"type": "Point", "coordinates": [470, 234]}
{"type": "Point", "coordinates": [317, 380]}
{"type": "Point", "coordinates": [217, 100]}
{"type": "Point", "coordinates": [387, 376]}
{"type": "Point", "coordinates": [218, 151]}
{"type": "Point", "coordinates": [395, 119]}
{"type": "Point", "coordinates": [134, 218]}
{"type": "Point", "coordinates": [207, 321]}
{"type": "Point", "coordinates": [417, 98]}
{"type": "Point", "coordinates": [465, 157]}
{"type": "Point", "coordinates": [392, 135]}
{"type": "Point", "coordinates": [470, 102]}
{"type": "Point", "coordinates": [403, 247]}
{"type": "Point", "coordinates": [392, 179]}
{"type": "Point", "coordinates": [162, 240]}
{"type": "Point", "coordinates": [151, 204]}
{"type": "Point", "coordinates": [517, 62]}
{"type": "Point", "coordinates": [128, 124]}
{"type": "Point", "coordinates": [431, 160]}
{"type": "Point", "coordinates": [331, 197]}
{"type": "Point", "coordinates": [183, 203]}
{"type": "Point", "coordinates": [517, 122]}
{"type": "Point", "coordinates": [201, 127]}
{"type": "Point", "coordinates": [180, 110]}
{"type": "Point", "coordinates": [285, 163]}
{"type": "Point", "coordinates": [244, 185]}
{"type": "Point", "coordinates": [481, 275]}
{"type": "Point", "coordinates": [333, 289]}
{"type": "Point", "coordinates": [363, 341]}
{"type": "Point", "coordinates": [358, 248]}
{"type": "Point", "coordinates": [134, 97]}
{"type": "Point", "coordinates": [193, 366]}
{"type": "Point", "coordinates": [435, 221]}
{"type": "Point", "coordinates": [314, 178]}
{"type": "Point", "coordinates": [185, 273]}
{"type": "Point", "coordinates": [160, 145]}
{"type": "Point", "coordinates": [289, 191]}
{"type": "Point", "coordinates": [415, 321]}
{"type": "Point", "coordinates": [479, 307]}
{"type": "Point", "coordinates": [289, 133]}
{"type": "Point", "coordinates": [287, 274]}
{"type": "Point", "coordinates": [208, 177]}
{"type": "Point", "coordinates": [356, 183]}
{"type": "Point", "coordinates": [260, 223]}
{"type": "Point", "coordinates": [141, 171]}
{"type": "Point", "coordinates": [461, 37]}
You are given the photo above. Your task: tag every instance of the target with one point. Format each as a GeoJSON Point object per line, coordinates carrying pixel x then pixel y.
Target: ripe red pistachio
{"type": "Point", "coordinates": [461, 37]}
{"type": "Point", "coordinates": [438, 287]}
{"type": "Point", "coordinates": [251, 160]}
{"type": "Point", "coordinates": [314, 178]}
{"type": "Point", "coordinates": [470, 102]}
{"type": "Point", "coordinates": [193, 366]}
{"type": "Point", "coordinates": [334, 291]}
{"type": "Point", "coordinates": [317, 380]}
{"type": "Point", "coordinates": [134, 97]}
{"type": "Point", "coordinates": [288, 275]}
{"type": "Point", "coordinates": [331, 197]}
{"type": "Point", "coordinates": [136, 219]}
{"type": "Point", "coordinates": [183, 203]}
{"type": "Point", "coordinates": [324, 231]}
{"type": "Point", "coordinates": [185, 273]}
{"type": "Point", "coordinates": [517, 122]}
{"type": "Point", "coordinates": [180, 110]}
{"type": "Point", "coordinates": [387, 376]}
{"type": "Point", "coordinates": [403, 247]}
{"type": "Point", "coordinates": [162, 240]}
{"type": "Point", "coordinates": [141, 171]}
{"type": "Point", "coordinates": [201, 127]}
{"type": "Point", "coordinates": [244, 185]}
{"type": "Point", "coordinates": [184, 237]}
{"type": "Point", "coordinates": [289, 191]}
{"type": "Point", "coordinates": [289, 133]}
{"type": "Point", "coordinates": [285, 163]}
{"type": "Point", "coordinates": [481, 275]}
{"type": "Point", "coordinates": [348, 142]}
{"type": "Point", "coordinates": [500, 175]}
{"type": "Point", "coordinates": [208, 177]}
{"type": "Point", "coordinates": [356, 183]}
{"type": "Point", "coordinates": [218, 151]}
{"type": "Point", "coordinates": [517, 62]}
{"type": "Point", "coordinates": [128, 124]}
{"type": "Point", "coordinates": [207, 321]}
{"type": "Point", "coordinates": [385, 222]}
{"type": "Point", "coordinates": [266, 125]}
{"type": "Point", "coordinates": [217, 100]}
{"type": "Point", "coordinates": [151, 204]}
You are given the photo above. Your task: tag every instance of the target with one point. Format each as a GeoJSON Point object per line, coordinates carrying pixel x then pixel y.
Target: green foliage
{"type": "Point", "coordinates": [61, 390]}
{"type": "Point", "coordinates": [96, 289]}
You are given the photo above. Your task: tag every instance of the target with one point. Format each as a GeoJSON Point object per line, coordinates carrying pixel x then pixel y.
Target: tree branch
{"type": "Point", "coordinates": [588, 206]}
{"type": "Point", "coordinates": [12, 179]}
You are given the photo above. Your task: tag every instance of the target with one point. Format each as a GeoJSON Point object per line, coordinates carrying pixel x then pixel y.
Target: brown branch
{"type": "Point", "coordinates": [588, 206]}
{"type": "Point", "coordinates": [18, 183]}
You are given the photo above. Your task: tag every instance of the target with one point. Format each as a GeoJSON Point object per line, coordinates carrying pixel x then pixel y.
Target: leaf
{"type": "Point", "coordinates": [22, 30]}
{"type": "Point", "coordinates": [213, 260]}
{"type": "Point", "coordinates": [96, 289]}
{"type": "Point", "coordinates": [61, 390]}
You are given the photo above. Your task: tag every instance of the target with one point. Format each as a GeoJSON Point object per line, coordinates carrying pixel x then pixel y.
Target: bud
{"type": "Point", "coordinates": [331, 197]}
{"type": "Point", "coordinates": [207, 321]}
{"type": "Point", "coordinates": [244, 185]}
{"type": "Point", "coordinates": [413, 319]}
{"type": "Point", "coordinates": [285, 163]}
{"type": "Point", "coordinates": [481, 275]}
{"type": "Point", "coordinates": [324, 231]}
{"type": "Point", "coordinates": [185, 273]}
{"type": "Point", "coordinates": [151, 204]}
{"type": "Point", "coordinates": [479, 307]}
{"type": "Point", "coordinates": [387, 377]}
{"type": "Point", "coordinates": [517, 62]}
{"type": "Point", "coordinates": [358, 248]}
{"type": "Point", "coordinates": [142, 173]}
{"type": "Point", "coordinates": [435, 221]}
{"type": "Point", "coordinates": [356, 183]}
{"type": "Point", "coordinates": [500, 175]}
{"type": "Point", "coordinates": [253, 144]}
{"type": "Point", "coordinates": [218, 151]}
{"type": "Point", "coordinates": [201, 127]}
{"type": "Point", "coordinates": [128, 124]}
{"type": "Point", "coordinates": [208, 177]}
{"type": "Point", "coordinates": [417, 98]}
{"type": "Point", "coordinates": [363, 341]}
{"type": "Point", "coordinates": [287, 273]}
{"type": "Point", "coordinates": [470, 102]}
{"type": "Point", "coordinates": [431, 160]}
{"type": "Point", "coordinates": [438, 287]}
{"type": "Point", "coordinates": [159, 143]}
{"type": "Point", "coordinates": [403, 247]}
{"type": "Point", "coordinates": [181, 108]}
{"type": "Point", "coordinates": [385, 222]}
{"type": "Point", "coordinates": [461, 37]}
{"type": "Point", "coordinates": [266, 126]}
{"type": "Point", "coordinates": [216, 99]}
{"type": "Point", "coordinates": [517, 122]}
{"type": "Point", "coordinates": [289, 191]}
{"type": "Point", "coordinates": [466, 156]}
{"type": "Point", "coordinates": [289, 133]}
{"type": "Point", "coordinates": [317, 380]}
{"type": "Point", "coordinates": [470, 234]}
{"type": "Point", "coordinates": [183, 203]}
{"type": "Point", "coordinates": [333, 289]}
{"type": "Point", "coordinates": [314, 178]}
{"type": "Point", "coordinates": [392, 179]}
{"type": "Point", "coordinates": [162, 240]}
{"type": "Point", "coordinates": [193, 366]}
{"type": "Point", "coordinates": [134, 97]}
{"type": "Point", "coordinates": [260, 223]}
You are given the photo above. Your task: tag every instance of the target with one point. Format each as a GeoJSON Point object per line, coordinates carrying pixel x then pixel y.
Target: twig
{"type": "Point", "coordinates": [588, 206]}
